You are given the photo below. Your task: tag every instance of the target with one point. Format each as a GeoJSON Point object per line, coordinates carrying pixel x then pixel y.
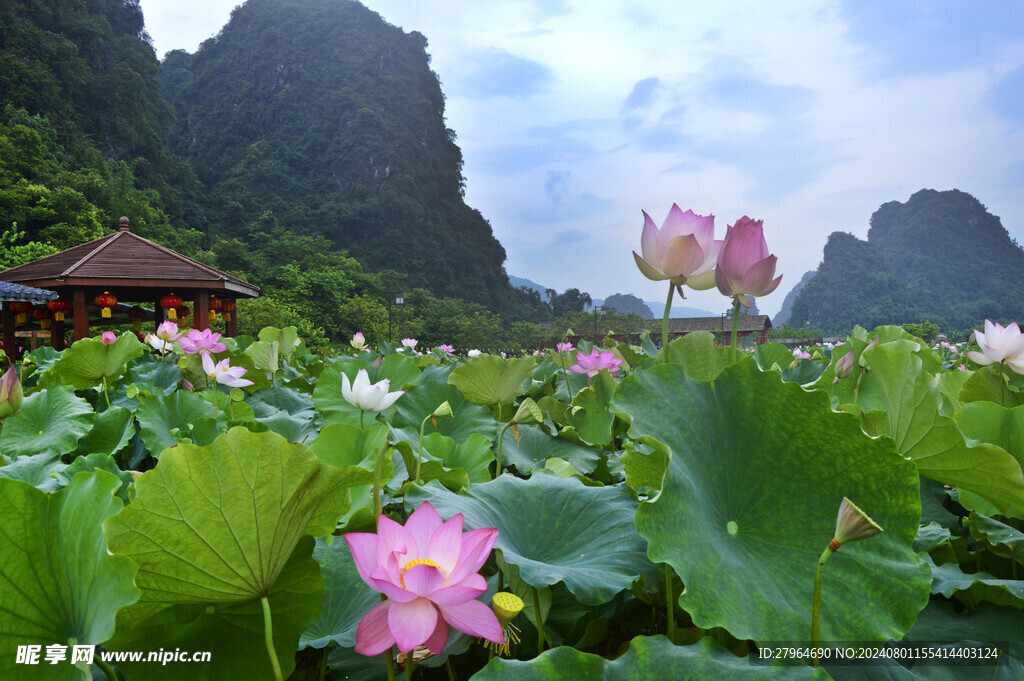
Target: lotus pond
{"type": "Point", "coordinates": [661, 515]}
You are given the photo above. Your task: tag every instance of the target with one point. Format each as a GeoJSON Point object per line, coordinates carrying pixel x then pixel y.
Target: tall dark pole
{"type": "Point", "coordinates": [389, 318]}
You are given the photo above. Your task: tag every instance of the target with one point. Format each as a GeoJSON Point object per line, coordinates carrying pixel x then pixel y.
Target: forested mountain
{"type": "Point", "coordinates": [940, 256]}
{"type": "Point", "coordinates": [83, 126]}
{"type": "Point", "coordinates": [316, 131]}
{"type": "Point", "coordinates": [784, 313]}
{"type": "Point", "coordinates": [323, 118]}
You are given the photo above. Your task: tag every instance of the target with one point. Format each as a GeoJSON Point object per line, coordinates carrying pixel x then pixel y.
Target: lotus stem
{"type": "Point", "coordinates": [735, 322]}
{"type": "Point", "coordinates": [410, 667]}
{"type": "Point", "coordinates": [390, 660]}
{"type": "Point", "coordinates": [501, 440]}
{"type": "Point", "coordinates": [376, 481]}
{"type": "Point", "coordinates": [361, 413]}
{"type": "Point", "coordinates": [268, 637]}
{"type": "Point", "coordinates": [540, 621]}
{"type": "Point", "coordinates": [107, 394]}
{"type": "Point", "coordinates": [451, 671]}
{"type": "Point", "coordinates": [664, 319]}
{"type": "Point", "coordinates": [105, 666]}
{"type": "Point", "coordinates": [215, 396]}
{"type": "Point", "coordinates": [419, 457]}
{"type": "Point", "coordinates": [323, 663]}
{"type": "Point", "coordinates": [670, 604]}
{"type": "Point", "coordinates": [816, 609]}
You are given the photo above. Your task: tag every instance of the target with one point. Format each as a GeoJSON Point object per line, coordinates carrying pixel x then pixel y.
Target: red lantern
{"type": "Point", "coordinates": [215, 305]}
{"type": "Point", "coordinates": [183, 311]}
{"type": "Point", "coordinates": [42, 314]}
{"type": "Point", "coordinates": [171, 303]}
{"type": "Point", "coordinates": [227, 308]}
{"type": "Point", "coordinates": [105, 301]}
{"type": "Point", "coordinates": [20, 308]}
{"type": "Point", "coordinates": [58, 308]}
{"type": "Point", "coordinates": [136, 314]}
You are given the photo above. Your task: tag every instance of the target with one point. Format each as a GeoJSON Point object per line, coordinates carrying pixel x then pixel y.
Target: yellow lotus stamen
{"type": "Point", "coordinates": [506, 606]}
{"type": "Point", "coordinates": [420, 561]}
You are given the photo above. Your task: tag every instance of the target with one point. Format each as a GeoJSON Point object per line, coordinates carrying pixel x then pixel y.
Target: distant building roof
{"type": "Point", "coordinates": [123, 259]}
{"type": "Point", "coordinates": [10, 291]}
{"type": "Point", "coordinates": [757, 322]}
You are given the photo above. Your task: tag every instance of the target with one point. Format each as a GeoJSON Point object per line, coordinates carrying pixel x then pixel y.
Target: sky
{"type": "Point", "coordinates": [574, 116]}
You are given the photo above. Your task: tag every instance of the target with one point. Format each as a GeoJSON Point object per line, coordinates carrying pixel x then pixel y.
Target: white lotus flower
{"type": "Point", "coordinates": [473, 353]}
{"type": "Point", "coordinates": [999, 344]}
{"type": "Point", "coordinates": [361, 395]}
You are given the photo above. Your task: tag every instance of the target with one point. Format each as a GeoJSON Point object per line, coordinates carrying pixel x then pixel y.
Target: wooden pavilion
{"type": "Point", "coordinates": [132, 269]}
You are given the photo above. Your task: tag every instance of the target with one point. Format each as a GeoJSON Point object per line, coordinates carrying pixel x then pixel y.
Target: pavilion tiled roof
{"type": "Point", "coordinates": [9, 291]}
{"type": "Point", "coordinates": [755, 322]}
{"type": "Point", "coordinates": [124, 256]}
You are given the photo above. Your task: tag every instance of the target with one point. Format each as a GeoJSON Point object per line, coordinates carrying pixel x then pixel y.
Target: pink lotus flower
{"type": "Point", "coordinates": [168, 331]}
{"type": "Point", "coordinates": [108, 337]}
{"type": "Point", "coordinates": [592, 364]}
{"type": "Point", "coordinates": [409, 343]}
{"type": "Point", "coordinates": [684, 250]}
{"type": "Point", "coordinates": [201, 341]}
{"type": "Point", "coordinates": [745, 268]}
{"type": "Point", "coordinates": [446, 349]}
{"type": "Point", "coordinates": [563, 347]}
{"type": "Point", "coordinates": [428, 571]}
{"type": "Point", "coordinates": [998, 345]}
{"type": "Point", "coordinates": [358, 341]}
{"type": "Point", "coordinates": [224, 373]}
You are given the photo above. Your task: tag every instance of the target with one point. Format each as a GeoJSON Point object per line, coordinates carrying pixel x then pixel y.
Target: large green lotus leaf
{"type": "Point", "coordinates": [292, 428]}
{"type": "Point", "coordinates": [988, 384]}
{"type": "Point", "coordinates": [649, 658]}
{"type": "Point", "coordinates": [217, 524]}
{"type": "Point", "coordinates": [90, 361]}
{"type": "Point", "coordinates": [554, 529]}
{"type": "Point", "coordinates": [232, 632]}
{"type": "Point", "coordinates": [59, 582]}
{"type": "Point", "coordinates": [455, 479]}
{"type": "Point", "coordinates": [162, 374]}
{"type": "Point", "coordinates": [271, 401]}
{"type": "Point", "coordinates": [97, 462]}
{"type": "Point", "coordinates": [757, 472]}
{"type": "Point", "coordinates": [287, 339]}
{"type": "Point", "coordinates": [534, 447]}
{"type": "Point", "coordinates": [346, 596]}
{"type": "Point", "coordinates": [112, 431]}
{"type": "Point", "coordinates": [963, 669]}
{"type": "Point", "coordinates": [912, 418]}
{"type": "Point", "coordinates": [1000, 426]}
{"type": "Point", "coordinates": [975, 588]}
{"type": "Point", "coordinates": [491, 380]}
{"type": "Point", "coordinates": [773, 356]}
{"type": "Point", "coordinates": [473, 456]}
{"type": "Point", "coordinates": [160, 416]}
{"type": "Point", "coordinates": [699, 356]}
{"type": "Point", "coordinates": [342, 445]}
{"type": "Point", "coordinates": [265, 356]}
{"type": "Point", "coordinates": [40, 471]}
{"type": "Point", "coordinates": [941, 622]}
{"type": "Point", "coordinates": [50, 422]}
{"type": "Point", "coordinates": [329, 400]}
{"type": "Point", "coordinates": [806, 372]}
{"type": "Point", "coordinates": [1000, 538]}
{"type": "Point", "coordinates": [468, 418]}
{"type": "Point", "coordinates": [950, 384]}
{"type": "Point", "coordinates": [590, 414]}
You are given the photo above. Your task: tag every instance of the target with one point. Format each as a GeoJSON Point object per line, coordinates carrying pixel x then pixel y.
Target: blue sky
{"type": "Point", "coordinates": [575, 115]}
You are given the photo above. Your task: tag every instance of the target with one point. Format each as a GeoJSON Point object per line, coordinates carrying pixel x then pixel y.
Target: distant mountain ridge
{"type": "Point", "coordinates": [940, 256]}
{"type": "Point", "coordinates": [656, 307]}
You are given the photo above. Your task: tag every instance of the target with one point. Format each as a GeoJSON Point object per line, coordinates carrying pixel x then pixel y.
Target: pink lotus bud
{"type": "Point", "coordinates": [844, 367]}
{"type": "Point", "coordinates": [684, 250]}
{"type": "Point", "coordinates": [10, 393]}
{"type": "Point", "coordinates": [745, 267]}
{"type": "Point", "coordinates": [108, 337]}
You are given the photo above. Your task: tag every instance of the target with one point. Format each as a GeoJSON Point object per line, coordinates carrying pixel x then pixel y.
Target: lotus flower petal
{"type": "Point", "coordinates": [745, 267]}
{"type": "Point", "coordinates": [374, 636]}
{"type": "Point", "coordinates": [476, 619]}
{"type": "Point", "coordinates": [679, 249]}
{"type": "Point", "coordinates": [446, 544]}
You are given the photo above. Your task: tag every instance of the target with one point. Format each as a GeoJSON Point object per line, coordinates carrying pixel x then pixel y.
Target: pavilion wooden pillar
{"type": "Point", "coordinates": [201, 309]}
{"type": "Point", "coordinates": [57, 334]}
{"type": "Point", "coordinates": [10, 341]}
{"type": "Point", "coordinates": [158, 313]}
{"type": "Point", "coordinates": [81, 314]}
{"type": "Point", "coordinates": [231, 325]}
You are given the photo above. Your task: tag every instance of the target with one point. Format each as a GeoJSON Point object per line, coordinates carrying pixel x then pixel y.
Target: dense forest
{"type": "Point", "coordinates": [304, 148]}
{"type": "Point", "coordinates": [941, 257]}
